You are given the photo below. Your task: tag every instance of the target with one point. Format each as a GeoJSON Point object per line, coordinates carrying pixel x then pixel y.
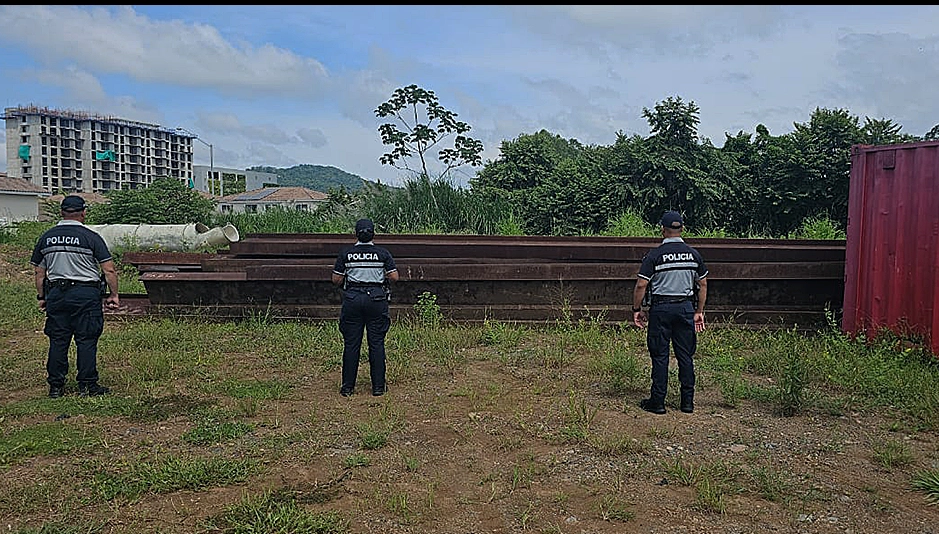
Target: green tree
{"type": "Point", "coordinates": [424, 125]}
{"type": "Point", "coordinates": [524, 176]}
{"type": "Point", "coordinates": [165, 201]}
{"type": "Point", "coordinates": [821, 180]}
{"type": "Point", "coordinates": [883, 132]}
{"type": "Point", "coordinates": [677, 172]}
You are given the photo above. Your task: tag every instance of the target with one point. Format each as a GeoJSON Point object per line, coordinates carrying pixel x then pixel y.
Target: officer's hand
{"type": "Point", "coordinates": [113, 302]}
{"type": "Point", "coordinates": [42, 304]}
{"type": "Point", "coordinates": [640, 319]}
{"type": "Point", "coordinates": [699, 322]}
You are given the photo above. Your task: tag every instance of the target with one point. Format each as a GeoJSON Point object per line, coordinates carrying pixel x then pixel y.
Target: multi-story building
{"type": "Point", "coordinates": [65, 151]}
{"type": "Point", "coordinates": [210, 179]}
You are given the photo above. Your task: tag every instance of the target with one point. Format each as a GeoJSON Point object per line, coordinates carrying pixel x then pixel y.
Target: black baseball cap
{"type": "Point", "coordinates": [672, 219]}
{"type": "Point", "coordinates": [364, 230]}
{"type": "Point", "coordinates": [73, 203]}
{"type": "Point", "coordinates": [364, 225]}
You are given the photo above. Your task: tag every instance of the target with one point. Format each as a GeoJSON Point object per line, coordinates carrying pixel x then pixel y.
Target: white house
{"type": "Point", "coordinates": [258, 200]}
{"type": "Point", "coordinates": [19, 200]}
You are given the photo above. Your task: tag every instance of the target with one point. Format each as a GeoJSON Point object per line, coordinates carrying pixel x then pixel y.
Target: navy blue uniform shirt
{"type": "Point", "coordinates": [673, 268]}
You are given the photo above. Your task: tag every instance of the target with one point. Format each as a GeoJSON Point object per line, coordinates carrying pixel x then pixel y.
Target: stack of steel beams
{"type": "Point", "coordinates": [752, 282]}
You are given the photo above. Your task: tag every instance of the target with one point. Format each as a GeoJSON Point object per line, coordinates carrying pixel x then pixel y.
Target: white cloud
{"type": "Point", "coordinates": [120, 41]}
{"type": "Point", "coordinates": [81, 89]}
{"type": "Point", "coordinates": [278, 85]}
{"type": "Point", "coordinates": [313, 137]}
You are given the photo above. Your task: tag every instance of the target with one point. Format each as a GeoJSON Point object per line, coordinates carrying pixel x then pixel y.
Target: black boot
{"type": "Point", "coordinates": [649, 405]}
{"type": "Point", "coordinates": [687, 404]}
{"type": "Point", "coordinates": [92, 390]}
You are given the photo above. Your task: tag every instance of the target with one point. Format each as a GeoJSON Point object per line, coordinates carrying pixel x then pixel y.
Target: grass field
{"type": "Point", "coordinates": [239, 428]}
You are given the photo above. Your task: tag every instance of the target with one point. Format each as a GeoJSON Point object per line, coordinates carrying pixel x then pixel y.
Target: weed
{"type": "Point", "coordinates": [928, 483]}
{"type": "Point", "coordinates": [527, 515]}
{"type": "Point", "coordinates": [617, 445]}
{"type": "Point", "coordinates": [614, 509]}
{"type": "Point", "coordinates": [356, 460]}
{"type": "Point", "coordinates": [630, 223]}
{"type": "Point", "coordinates": [275, 512]}
{"type": "Point", "coordinates": [793, 379]}
{"type": "Point", "coordinates": [619, 370]}
{"type": "Point", "coordinates": [428, 311]}
{"type": "Point", "coordinates": [411, 464]}
{"type": "Point", "coordinates": [397, 503]}
{"type": "Point", "coordinates": [771, 484]}
{"type": "Point", "coordinates": [709, 496]}
{"type": "Point", "coordinates": [47, 439]}
{"type": "Point", "coordinates": [169, 474]}
{"type": "Point", "coordinates": [892, 453]}
{"type": "Point", "coordinates": [501, 334]}
{"type": "Point", "coordinates": [820, 227]}
{"type": "Point", "coordinates": [372, 436]}
{"type": "Point", "coordinates": [684, 473]}
{"type": "Point", "coordinates": [580, 415]}
{"type": "Point", "coordinates": [212, 428]}
{"type": "Point", "coordinates": [56, 527]}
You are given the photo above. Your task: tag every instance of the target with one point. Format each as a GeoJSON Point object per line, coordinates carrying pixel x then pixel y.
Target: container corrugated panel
{"type": "Point", "coordinates": [892, 247]}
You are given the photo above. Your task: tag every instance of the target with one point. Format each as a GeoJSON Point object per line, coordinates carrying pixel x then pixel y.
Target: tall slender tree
{"type": "Point", "coordinates": [421, 124]}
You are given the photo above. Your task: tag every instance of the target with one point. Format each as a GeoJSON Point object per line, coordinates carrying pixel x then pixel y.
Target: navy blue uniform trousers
{"type": "Point", "coordinates": [362, 315]}
{"type": "Point", "coordinates": [73, 312]}
{"type": "Point", "coordinates": [672, 325]}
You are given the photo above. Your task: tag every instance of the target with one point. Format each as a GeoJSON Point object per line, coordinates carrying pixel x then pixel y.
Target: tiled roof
{"type": "Point", "coordinates": [90, 198]}
{"type": "Point", "coordinates": [18, 185]}
{"type": "Point", "coordinates": [278, 194]}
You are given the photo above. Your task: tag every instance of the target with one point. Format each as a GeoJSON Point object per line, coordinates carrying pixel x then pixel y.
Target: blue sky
{"type": "Point", "coordinates": [286, 85]}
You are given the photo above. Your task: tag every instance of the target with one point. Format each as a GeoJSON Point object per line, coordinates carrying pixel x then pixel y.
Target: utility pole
{"type": "Point", "coordinates": [221, 183]}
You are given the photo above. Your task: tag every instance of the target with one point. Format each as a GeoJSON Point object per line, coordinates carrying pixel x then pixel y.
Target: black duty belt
{"type": "Point", "coordinates": [669, 299]}
{"type": "Point", "coordinates": [63, 283]}
{"type": "Point", "coordinates": [362, 286]}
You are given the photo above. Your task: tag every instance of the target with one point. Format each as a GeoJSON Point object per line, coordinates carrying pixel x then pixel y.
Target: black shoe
{"type": "Point", "coordinates": [649, 406]}
{"type": "Point", "coordinates": [687, 407]}
{"type": "Point", "coordinates": [92, 390]}
{"type": "Point", "coordinates": [56, 391]}
{"type": "Point", "coordinates": [345, 392]}
{"type": "Point", "coordinates": [378, 392]}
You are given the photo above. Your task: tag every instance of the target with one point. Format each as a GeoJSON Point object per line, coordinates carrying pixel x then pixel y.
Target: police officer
{"type": "Point", "coordinates": [66, 260]}
{"type": "Point", "coordinates": [362, 271]}
{"type": "Point", "coordinates": [672, 272]}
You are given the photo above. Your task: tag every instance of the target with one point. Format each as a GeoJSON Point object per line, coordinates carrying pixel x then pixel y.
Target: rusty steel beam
{"type": "Point", "coordinates": [139, 306]}
{"type": "Point", "coordinates": [593, 248]}
{"type": "Point", "coordinates": [496, 270]}
{"type": "Point", "coordinates": [235, 288]}
{"type": "Point", "coordinates": [567, 252]}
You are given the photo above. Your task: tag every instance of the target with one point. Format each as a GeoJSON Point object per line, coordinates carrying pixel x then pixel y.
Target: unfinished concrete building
{"type": "Point", "coordinates": [65, 151]}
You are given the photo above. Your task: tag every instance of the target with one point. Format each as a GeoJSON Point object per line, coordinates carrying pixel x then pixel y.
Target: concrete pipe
{"type": "Point", "coordinates": [168, 237]}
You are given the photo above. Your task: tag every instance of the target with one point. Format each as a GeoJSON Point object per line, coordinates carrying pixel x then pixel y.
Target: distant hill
{"type": "Point", "coordinates": [316, 177]}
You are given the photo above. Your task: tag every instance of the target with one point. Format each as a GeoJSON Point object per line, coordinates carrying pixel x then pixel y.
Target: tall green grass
{"type": "Point", "coordinates": [425, 205]}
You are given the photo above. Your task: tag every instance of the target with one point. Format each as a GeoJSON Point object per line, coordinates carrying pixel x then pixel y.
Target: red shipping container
{"type": "Point", "coordinates": [892, 247]}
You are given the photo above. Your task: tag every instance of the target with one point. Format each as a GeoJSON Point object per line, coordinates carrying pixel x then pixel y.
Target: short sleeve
{"type": "Point", "coordinates": [340, 266]}
{"type": "Point", "coordinates": [702, 270]}
{"type": "Point", "coordinates": [647, 269]}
